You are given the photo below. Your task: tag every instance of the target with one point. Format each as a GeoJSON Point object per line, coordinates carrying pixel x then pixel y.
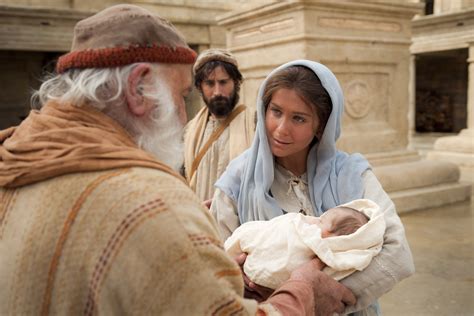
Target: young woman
{"type": "Point", "coordinates": [293, 166]}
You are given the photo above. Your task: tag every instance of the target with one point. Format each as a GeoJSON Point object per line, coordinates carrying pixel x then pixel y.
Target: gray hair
{"type": "Point", "coordinates": [96, 87]}
{"type": "Point", "coordinates": [101, 88]}
{"type": "Point", "coordinates": [104, 90]}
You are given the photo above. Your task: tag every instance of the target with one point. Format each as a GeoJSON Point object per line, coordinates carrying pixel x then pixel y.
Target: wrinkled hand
{"type": "Point", "coordinates": [252, 290]}
{"type": "Point", "coordinates": [207, 203]}
{"type": "Point", "coordinates": [255, 291]}
{"type": "Point", "coordinates": [329, 295]}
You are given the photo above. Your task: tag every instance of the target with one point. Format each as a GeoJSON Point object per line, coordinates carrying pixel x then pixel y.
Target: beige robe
{"type": "Point", "coordinates": [92, 225]}
{"type": "Point", "coordinates": [231, 143]}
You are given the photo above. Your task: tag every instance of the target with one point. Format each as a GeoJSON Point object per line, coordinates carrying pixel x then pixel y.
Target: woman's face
{"type": "Point", "coordinates": [291, 125]}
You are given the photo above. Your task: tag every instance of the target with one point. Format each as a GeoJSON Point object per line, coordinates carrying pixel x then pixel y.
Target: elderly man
{"type": "Point", "coordinates": [222, 129]}
{"type": "Point", "coordinates": [92, 224]}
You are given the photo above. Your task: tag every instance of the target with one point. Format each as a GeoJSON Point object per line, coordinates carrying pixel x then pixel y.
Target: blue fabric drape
{"type": "Point", "coordinates": [334, 177]}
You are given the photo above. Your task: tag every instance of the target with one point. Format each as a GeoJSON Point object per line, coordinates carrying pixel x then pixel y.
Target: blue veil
{"type": "Point", "coordinates": [334, 177]}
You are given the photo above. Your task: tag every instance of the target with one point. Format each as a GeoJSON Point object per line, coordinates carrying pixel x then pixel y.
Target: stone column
{"type": "Point", "coordinates": [366, 45]}
{"type": "Point", "coordinates": [459, 149]}
{"type": "Point", "coordinates": [411, 98]}
{"type": "Point", "coordinates": [470, 89]}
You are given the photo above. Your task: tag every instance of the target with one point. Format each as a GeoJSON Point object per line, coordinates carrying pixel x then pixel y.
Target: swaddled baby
{"type": "Point", "coordinates": [345, 238]}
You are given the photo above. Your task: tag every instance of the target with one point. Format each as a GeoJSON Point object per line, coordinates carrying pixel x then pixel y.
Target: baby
{"type": "Point", "coordinates": [345, 238]}
{"type": "Point", "coordinates": [338, 221]}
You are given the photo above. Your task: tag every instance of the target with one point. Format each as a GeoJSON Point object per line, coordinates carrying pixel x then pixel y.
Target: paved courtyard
{"type": "Point", "coordinates": [442, 242]}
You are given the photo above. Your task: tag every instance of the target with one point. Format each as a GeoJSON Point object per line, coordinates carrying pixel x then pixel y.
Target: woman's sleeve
{"type": "Point", "coordinates": [393, 263]}
{"type": "Point", "coordinates": [224, 211]}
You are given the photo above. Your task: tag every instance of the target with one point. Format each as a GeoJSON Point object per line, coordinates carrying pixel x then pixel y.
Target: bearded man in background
{"type": "Point", "coordinates": [222, 129]}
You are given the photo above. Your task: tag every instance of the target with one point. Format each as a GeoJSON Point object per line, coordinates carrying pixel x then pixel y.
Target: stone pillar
{"type": "Point", "coordinates": [459, 149]}
{"type": "Point", "coordinates": [448, 6]}
{"type": "Point", "coordinates": [366, 45]}
{"type": "Point", "coordinates": [470, 88]}
{"type": "Point", "coordinates": [411, 98]}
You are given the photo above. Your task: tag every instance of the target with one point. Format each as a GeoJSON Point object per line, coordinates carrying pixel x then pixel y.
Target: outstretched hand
{"type": "Point", "coordinates": [330, 296]}
{"type": "Point", "coordinates": [252, 290]}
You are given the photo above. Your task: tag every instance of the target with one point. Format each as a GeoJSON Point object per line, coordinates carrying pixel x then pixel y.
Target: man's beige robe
{"type": "Point", "coordinates": [231, 143]}
{"type": "Point", "coordinates": [92, 225]}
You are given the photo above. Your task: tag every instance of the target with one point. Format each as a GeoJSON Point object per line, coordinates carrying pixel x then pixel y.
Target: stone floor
{"type": "Point", "coordinates": [442, 242]}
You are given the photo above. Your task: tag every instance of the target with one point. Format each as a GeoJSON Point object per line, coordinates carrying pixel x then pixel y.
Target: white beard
{"type": "Point", "coordinates": [162, 134]}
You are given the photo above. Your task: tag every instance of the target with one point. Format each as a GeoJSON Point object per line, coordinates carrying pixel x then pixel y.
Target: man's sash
{"type": "Point", "coordinates": [214, 136]}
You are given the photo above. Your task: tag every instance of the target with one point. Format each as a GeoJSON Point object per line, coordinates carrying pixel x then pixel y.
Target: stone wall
{"type": "Point", "coordinates": [364, 43]}
{"type": "Point", "coordinates": [446, 6]}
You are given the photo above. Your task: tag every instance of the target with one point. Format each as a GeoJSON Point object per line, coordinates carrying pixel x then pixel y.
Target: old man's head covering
{"type": "Point", "coordinates": [124, 34]}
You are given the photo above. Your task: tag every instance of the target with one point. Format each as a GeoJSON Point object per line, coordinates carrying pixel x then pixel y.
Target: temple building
{"type": "Point", "coordinates": [405, 66]}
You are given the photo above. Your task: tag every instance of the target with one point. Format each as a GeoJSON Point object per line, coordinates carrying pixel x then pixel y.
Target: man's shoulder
{"type": "Point", "coordinates": [156, 178]}
{"type": "Point", "coordinates": [121, 181]}
{"type": "Point", "coordinates": [180, 201]}
{"type": "Point", "coordinates": [250, 113]}
{"type": "Point", "coordinates": [191, 122]}
{"type": "Point", "coordinates": [242, 107]}
{"type": "Point", "coordinates": [138, 187]}
{"type": "Point", "coordinates": [201, 114]}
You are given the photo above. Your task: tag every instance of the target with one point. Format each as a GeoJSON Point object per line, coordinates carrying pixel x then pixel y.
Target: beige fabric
{"type": "Point", "coordinates": [232, 142]}
{"type": "Point", "coordinates": [99, 243]}
{"type": "Point", "coordinates": [291, 191]}
{"type": "Point", "coordinates": [277, 247]}
{"type": "Point", "coordinates": [125, 34]}
{"type": "Point", "coordinates": [121, 241]}
{"type": "Point", "coordinates": [392, 264]}
{"type": "Point", "coordinates": [64, 138]}
{"type": "Point", "coordinates": [212, 135]}
{"type": "Point", "coordinates": [214, 54]}
{"type": "Point", "coordinates": [224, 211]}
{"type": "Point", "coordinates": [124, 25]}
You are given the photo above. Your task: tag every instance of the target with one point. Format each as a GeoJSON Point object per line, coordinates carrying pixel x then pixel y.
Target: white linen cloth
{"type": "Point", "coordinates": [278, 246]}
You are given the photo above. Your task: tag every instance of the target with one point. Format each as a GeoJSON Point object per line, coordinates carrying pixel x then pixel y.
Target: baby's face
{"type": "Point", "coordinates": [326, 221]}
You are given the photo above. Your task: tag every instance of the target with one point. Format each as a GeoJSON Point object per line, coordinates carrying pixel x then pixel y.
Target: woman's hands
{"type": "Point", "coordinates": [252, 290]}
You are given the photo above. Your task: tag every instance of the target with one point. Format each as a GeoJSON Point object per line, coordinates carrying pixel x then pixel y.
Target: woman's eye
{"type": "Point", "coordinates": [299, 119]}
{"type": "Point", "coordinates": [275, 112]}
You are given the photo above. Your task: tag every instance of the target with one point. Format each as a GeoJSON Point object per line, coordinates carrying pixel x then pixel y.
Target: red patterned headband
{"type": "Point", "coordinates": [121, 56]}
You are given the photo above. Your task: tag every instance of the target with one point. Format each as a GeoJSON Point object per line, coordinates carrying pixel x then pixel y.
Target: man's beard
{"type": "Point", "coordinates": [221, 106]}
{"type": "Point", "coordinates": [162, 134]}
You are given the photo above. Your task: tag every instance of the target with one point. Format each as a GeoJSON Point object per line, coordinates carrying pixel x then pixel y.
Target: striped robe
{"type": "Point", "coordinates": [99, 243]}
{"type": "Point", "coordinates": [90, 224]}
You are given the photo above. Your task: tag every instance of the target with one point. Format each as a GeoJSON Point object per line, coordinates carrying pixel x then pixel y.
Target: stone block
{"type": "Point", "coordinates": [416, 174]}
{"type": "Point", "coordinates": [431, 196]}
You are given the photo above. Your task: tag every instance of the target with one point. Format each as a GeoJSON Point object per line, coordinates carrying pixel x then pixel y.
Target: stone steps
{"type": "Point", "coordinates": [422, 184]}
{"type": "Point", "coordinates": [432, 196]}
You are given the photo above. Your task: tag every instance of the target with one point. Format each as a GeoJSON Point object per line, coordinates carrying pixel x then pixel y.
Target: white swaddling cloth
{"type": "Point", "coordinates": [277, 247]}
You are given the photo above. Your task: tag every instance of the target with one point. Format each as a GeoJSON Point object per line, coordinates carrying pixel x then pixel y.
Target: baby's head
{"type": "Point", "coordinates": [341, 220]}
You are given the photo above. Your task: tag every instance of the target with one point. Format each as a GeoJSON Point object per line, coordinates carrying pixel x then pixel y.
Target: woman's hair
{"type": "Point", "coordinates": [308, 87]}
{"type": "Point", "coordinates": [352, 221]}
